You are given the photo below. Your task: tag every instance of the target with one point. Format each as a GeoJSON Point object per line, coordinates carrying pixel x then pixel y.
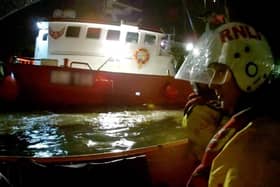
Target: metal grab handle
{"type": "Point", "coordinates": [83, 63]}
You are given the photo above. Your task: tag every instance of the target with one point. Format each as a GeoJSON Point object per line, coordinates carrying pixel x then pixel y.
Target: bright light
{"type": "Point", "coordinates": [196, 51]}
{"type": "Point", "coordinates": [91, 143]}
{"type": "Point", "coordinates": [123, 143]}
{"type": "Point", "coordinates": [189, 46]}
{"type": "Point", "coordinates": [137, 93]}
{"type": "Point", "coordinates": [114, 49]}
{"type": "Point", "coordinates": [163, 44]}
{"type": "Point", "coordinates": [12, 76]}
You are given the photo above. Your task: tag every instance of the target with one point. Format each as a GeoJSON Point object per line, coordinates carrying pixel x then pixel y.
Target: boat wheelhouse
{"type": "Point", "coordinates": [99, 46]}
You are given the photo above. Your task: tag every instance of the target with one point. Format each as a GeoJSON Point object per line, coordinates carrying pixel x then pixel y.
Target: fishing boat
{"type": "Point", "coordinates": [82, 62]}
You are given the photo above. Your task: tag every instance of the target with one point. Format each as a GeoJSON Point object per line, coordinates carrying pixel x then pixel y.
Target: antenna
{"type": "Point", "coordinates": [19, 7]}
{"type": "Point", "coordinates": [226, 11]}
{"type": "Point", "coordinates": [188, 15]}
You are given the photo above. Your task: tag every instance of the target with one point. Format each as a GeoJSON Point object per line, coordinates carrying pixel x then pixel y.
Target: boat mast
{"type": "Point", "coordinates": [188, 16]}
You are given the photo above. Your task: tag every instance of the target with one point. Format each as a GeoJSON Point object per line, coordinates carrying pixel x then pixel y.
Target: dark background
{"type": "Point", "coordinates": [18, 21]}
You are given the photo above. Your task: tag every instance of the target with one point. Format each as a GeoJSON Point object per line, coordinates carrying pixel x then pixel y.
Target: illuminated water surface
{"type": "Point", "coordinates": [46, 134]}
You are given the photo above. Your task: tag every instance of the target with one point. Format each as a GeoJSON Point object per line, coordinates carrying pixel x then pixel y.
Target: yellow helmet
{"type": "Point", "coordinates": [240, 47]}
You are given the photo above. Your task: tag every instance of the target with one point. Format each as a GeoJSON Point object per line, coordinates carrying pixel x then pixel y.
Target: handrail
{"type": "Point", "coordinates": [83, 63]}
{"type": "Point", "coordinates": [24, 60]}
{"type": "Point", "coordinates": [18, 58]}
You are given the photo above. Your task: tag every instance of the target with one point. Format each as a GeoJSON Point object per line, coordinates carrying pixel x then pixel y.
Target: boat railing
{"type": "Point", "coordinates": [24, 60]}
{"type": "Point", "coordinates": [48, 62]}
{"type": "Point", "coordinates": [80, 63]}
{"type": "Point", "coordinates": [35, 61]}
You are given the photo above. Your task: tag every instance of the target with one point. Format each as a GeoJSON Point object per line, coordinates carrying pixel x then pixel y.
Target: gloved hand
{"type": "Point", "coordinates": [196, 99]}
{"type": "Point", "coordinates": [193, 99]}
{"type": "Point", "coordinates": [202, 118]}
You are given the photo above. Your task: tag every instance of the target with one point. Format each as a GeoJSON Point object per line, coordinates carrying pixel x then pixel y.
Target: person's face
{"type": "Point", "coordinates": [228, 92]}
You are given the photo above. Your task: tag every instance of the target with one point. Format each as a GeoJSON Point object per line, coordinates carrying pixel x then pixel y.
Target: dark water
{"type": "Point", "coordinates": [47, 134]}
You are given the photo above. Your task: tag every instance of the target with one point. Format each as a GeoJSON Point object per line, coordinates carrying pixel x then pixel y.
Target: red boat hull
{"type": "Point", "coordinates": [48, 86]}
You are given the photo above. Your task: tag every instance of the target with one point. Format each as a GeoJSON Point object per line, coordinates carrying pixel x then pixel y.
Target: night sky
{"type": "Point", "coordinates": [18, 31]}
{"type": "Point", "coordinates": [263, 15]}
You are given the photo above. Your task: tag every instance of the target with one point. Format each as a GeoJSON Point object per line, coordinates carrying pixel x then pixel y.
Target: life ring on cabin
{"type": "Point", "coordinates": [141, 56]}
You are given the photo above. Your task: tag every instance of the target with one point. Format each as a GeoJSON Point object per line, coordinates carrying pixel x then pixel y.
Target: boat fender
{"type": "Point", "coordinates": [141, 56]}
{"type": "Point", "coordinates": [8, 88]}
{"type": "Point", "coordinates": [171, 91]}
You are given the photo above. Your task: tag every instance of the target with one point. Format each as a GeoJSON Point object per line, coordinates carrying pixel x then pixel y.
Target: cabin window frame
{"type": "Point", "coordinates": [94, 33]}
{"type": "Point", "coordinates": [110, 35]}
{"type": "Point", "coordinates": [147, 40]}
{"type": "Point", "coordinates": [133, 40]}
{"type": "Point", "coordinates": [73, 33]}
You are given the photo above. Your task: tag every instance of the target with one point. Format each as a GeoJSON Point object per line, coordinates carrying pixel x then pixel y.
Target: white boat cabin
{"type": "Point", "coordinates": [105, 47]}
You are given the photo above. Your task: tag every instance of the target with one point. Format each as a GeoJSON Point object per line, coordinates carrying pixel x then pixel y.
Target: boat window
{"type": "Point", "coordinates": [113, 35]}
{"type": "Point", "coordinates": [149, 39]}
{"type": "Point", "coordinates": [45, 37]}
{"type": "Point", "coordinates": [93, 33]}
{"type": "Point", "coordinates": [132, 37]}
{"type": "Point", "coordinates": [73, 31]}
